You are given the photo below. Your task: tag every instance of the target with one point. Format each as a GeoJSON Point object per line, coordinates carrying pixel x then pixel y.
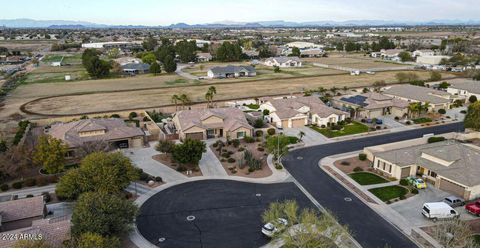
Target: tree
{"type": "Point", "coordinates": [350, 46]}
{"type": "Point", "coordinates": [276, 69]}
{"type": "Point", "coordinates": [405, 56]}
{"type": "Point", "coordinates": [113, 53]}
{"type": "Point", "coordinates": [295, 52]}
{"type": "Point", "coordinates": [277, 145]}
{"type": "Point", "coordinates": [301, 134]}
{"type": "Point", "coordinates": [3, 146]}
{"type": "Point", "coordinates": [265, 52]}
{"type": "Point", "coordinates": [443, 85]}
{"type": "Point", "coordinates": [228, 52]}
{"type": "Point", "coordinates": [471, 99]}
{"type": "Point", "coordinates": [305, 228]}
{"type": "Point", "coordinates": [26, 243]}
{"type": "Point", "coordinates": [103, 214]}
{"type": "Point", "coordinates": [454, 233]}
{"type": "Point", "coordinates": [165, 146]}
{"type": "Point", "coordinates": [90, 240]}
{"type": "Point", "coordinates": [50, 154]}
{"type": "Point", "coordinates": [169, 64]}
{"type": "Point", "coordinates": [211, 92]}
{"type": "Point", "coordinates": [472, 119]}
{"type": "Point", "coordinates": [258, 123]}
{"type": "Point", "coordinates": [189, 152]}
{"type": "Point", "coordinates": [166, 49]}
{"type": "Point", "coordinates": [175, 99]}
{"type": "Point", "coordinates": [377, 85]}
{"type": "Point", "coordinates": [155, 68]}
{"type": "Point", "coordinates": [150, 43]}
{"type": "Point", "coordinates": [97, 67]}
{"type": "Point", "coordinates": [149, 58]}
{"type": "Point", "coordinates": [435, 76]}
{"type": "Point", "coordinates": [406, 77]}
{"type": "Point", "coordinates": [106, 172]}
{"type": "Point", "coordinates": [185, 100]}
{"type": "Point", "coordinates": [186, 51]}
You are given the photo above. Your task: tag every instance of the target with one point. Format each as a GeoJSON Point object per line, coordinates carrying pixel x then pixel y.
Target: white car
{"type": "Point", "coordinates": [270, 228]}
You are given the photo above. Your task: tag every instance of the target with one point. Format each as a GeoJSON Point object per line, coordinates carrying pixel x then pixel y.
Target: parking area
{"type": "Point", "coordinates": [411, 208]}
{"type": "Point", "coordinates": [212, 213]}
{"type": "Point", "coordinates": [311, 137]}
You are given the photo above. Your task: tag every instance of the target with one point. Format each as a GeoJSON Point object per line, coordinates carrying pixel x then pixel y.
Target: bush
{"type": "Point", "coordinates": [403, 182]}
{"type": "Point", "coordinates": [132, 115]}
{"type": "Point", "coordinates": [357, 169]}
{"type": "Point", "coordinates": [249, 139]}
{"type": "Point", "coordinates": [414, 191]}
{"type": "Point", "coordinates": [408, 122]}
{"type": "Point", "coordinates": [251, 169]}
{"type": "Point", "coordinates": [362, 156]}
{"type": "Point", "coordinates": [322, 126]}
{"type": "Point", "coordinates": [235, 143]}
{"type": "Point", "coordinates": [258, 123]}
{"type": "Point", "coordinates": [115, 116]}
{"type": "Point", "coordinates": [260, 149]}
{"type": "Point", "coordinates": [144, 176]}
{"type": "Point", "coordinates": [29, 196]}
{"type": "Point", "coordinates": [17, 185]}
{"type": "Point", "coordinates": [378, 127]}
{"type": "Point", "coordinates": [403, 197]}
{"type": "Point", "coordinates": [346, 163]}
{"type": "Point", "coordinates": [29, 182]}
{"type": "Point", "coordinates": [181, 168]}
{"type": "Point", "coordinates": [231, 160]}
{"type": "Point", "coordinates": [278, 166]}
{"type": "Point", "coordinates": [46, 196]}
{"type": "Point", "coordinates": [463, 111]}
{"type": "Point", "coordinates": [241, 149]}
{"type": "Point", "coordinates": [225, 155]}
{"type": "Point", "coordinates": [215, 144]}
{"type": "Point", "coordinates": [158, 179]}
{"type": "Point", "coordinates": [442, 111]}
{"type": "Point", "coordinates": [259, 133]}
{"type": "Point", "coordinates": [271, 131]}
{"type": "Point", "coordinates": [397, 118]}
{"type": "Point", "coordinates": [4, 187]}
{"type": "Point", "coordinates": [435, 139]}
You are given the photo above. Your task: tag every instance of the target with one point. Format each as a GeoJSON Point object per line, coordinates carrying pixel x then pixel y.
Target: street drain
{"type": "Point", "coordinates": [161, 240]}
{"type": "Point", "coordinates": [190, 218]}
{"type": "Point", "coordinates": [299, 158]}
{"type": "Point", "coordinates": [348, 199]}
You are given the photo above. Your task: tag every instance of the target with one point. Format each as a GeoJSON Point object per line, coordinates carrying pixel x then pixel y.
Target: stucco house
{"type": "Point", "coordinates": [437, 99]}
{"type": "Point", "coordinates": [231, 71]}
{"type": "Point", "coordinates": [202, 124]}
{"type": "Point", "coordinates": [464, 88]}
{"type": "Point", "coordinates": [449, 165]}
{"type": "Point", "coordinates": [204, 57]}
{"type": "Point", "coordinates": [284, 62]}
{"type": "Point", "coordinates": [371, 105]}
{"type": "Point", "coordinates": [300, 111]}
{"type": "Point", "coordinates": [423, 53]}
{"type": "Point", "coordinates": [391, 54]}
{"type": "Point", "coordinates": [135, 68]}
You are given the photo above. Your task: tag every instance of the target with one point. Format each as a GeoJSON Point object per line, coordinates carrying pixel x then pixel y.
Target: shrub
{"type": "Point", "coordinates": [259, 133]}
{"type": "Point", "coordinates": [29, 196]}
{"type": "Point", "coordinates": [260, 149]}
{"type": "Point", "coordinates": [215, 144]}
{"type": "Point", "coordinates": [241, 149]}
{"type": "Point", "coordinates": [463, 111]}
{"type": "Point", "coordinates": [29, 182]}
{"type": "Point", "coordinates": [363, 120]}
{"type": "Point", "coordinates": [235, 143]}
{"type": "Point", "coordinates": [249, 139]}
{"type": "Point", "coordinates": [346, 163]}
{"type": "Point", "coordinates": [181, 168]}
{"type": "Point", "coordinates": [322, 126]}
{"type": "Point", "coordinates": [231, 160]}
{"type": "Point", "coordinates": [225, 155]}
{"type": "Point", "coordinates": [403, 182]}
{"type": "Point", "coordinates": [115, 116]}
{"type": "Point", "coordinates": [357, 169]}
{"type": "Point", "coordinates": [397, 118]}
{"type": "Point", "coordinates": [258, 123]}
{"type": "Point", "coordinates": [408, 122]}
{"type": "Point", "coordinates": [222, 160]}
{"type": "Point", "coordinates": [17, 185]}
{"type": "Point", "coordinates": [278, 166]}
{"type": "Point", "coordinates": [402, 197]}
{"type": "Point", "coordinates": [158, 179]}
{"type": "Point", "coordinates": [442, 111]}
{"type": "Point", "coordinates": [378, 127]}
{"type": "Point", "coordinates": [362, 156]}
{"type": "Point", "coordinates": [4, 187]}
{"type": "Point", "coordinates": [414, 191]}
{"type": "Point", "coordinates": [435, 139]}
{"type": "Point", "coordinates": [132, 115]}
{"type": "Point", "coordinates": [271, 131]}
{"type": "Point", "coordinates": [144, 176]}
{"type": "Point", "coordinates": [46, 196]}
{"type": "Point", "coordinates": [251, 169]}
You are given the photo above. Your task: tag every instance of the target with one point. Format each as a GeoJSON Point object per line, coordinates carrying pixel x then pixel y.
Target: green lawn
{"type": "Point", "coordinates": [422, 120]}
{"type": "Point", "coordinates": [352, 128]}
{"type": "Point", "coordinates": [253, 106]}
{"type": "Point", "coordinates": [366, 178]}
{"type": "Point", "coordinates": [389, 192]}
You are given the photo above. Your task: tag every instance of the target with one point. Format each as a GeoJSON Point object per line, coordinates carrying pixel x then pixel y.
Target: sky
{"type": "Point", "coordinates": [165, 12]}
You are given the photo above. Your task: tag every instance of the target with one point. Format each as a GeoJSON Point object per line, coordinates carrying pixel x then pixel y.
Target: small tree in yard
{"type": "Point", "coordinates": [435, 76]}
{"type": "Point", "coordinates": [454, 233]}
{"type": "Point", "coordinates": [3, 146]}
{"type": "Point", "coordinates": [165, 146]}
{"type": "Point", "coordinates": [26, 243]}
{"type": "Point", "coordinates": [277, 145]}
{"type": "Point", "coordinates": [155, 68]}
{"type": "Point", "coordinates": [258, 123]}
{"type": "Point", "coordinates": [189, 152]}
{"type": "Point", "coordinates": [472, 119]}
{"type": "Point", "coordinates": [472, 99]}
{"type": "Point", "coordinates": [89, 240]}
{"type": "Point", "coordinates": [276, 69]}
{"type": "Point", "coordinates": [50, 154]}
{"type": "Point", "coordinates": [301, 134]}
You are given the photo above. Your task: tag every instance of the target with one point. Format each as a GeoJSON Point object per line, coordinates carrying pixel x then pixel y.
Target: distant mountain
{"type": "Point", "coordinates": [63, 24]}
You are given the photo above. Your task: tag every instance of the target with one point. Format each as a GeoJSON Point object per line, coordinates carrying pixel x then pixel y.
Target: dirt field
{"type": "Point", "coordinates": [111, 101]}
{"type": "Point", "coordinates": [354, 61]}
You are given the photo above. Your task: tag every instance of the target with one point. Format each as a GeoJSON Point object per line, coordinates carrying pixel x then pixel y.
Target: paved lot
{"type": "Point", "coordinates": [411, 208]}
{"type": "Point", "coordinates": [227, 213]}
{"type": "Point", "coordinates": [311, 137]}
{"type": "Point", "coordinates": [368, 228]}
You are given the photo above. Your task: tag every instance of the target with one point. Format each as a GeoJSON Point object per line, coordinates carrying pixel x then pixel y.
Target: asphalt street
{"type": "Point", "coordinates": [367, 227]}
{"type": "Point", "coordinates": [226, 213]}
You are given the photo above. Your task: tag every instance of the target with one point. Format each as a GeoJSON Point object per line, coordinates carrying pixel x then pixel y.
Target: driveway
{"type": "Point", "coordinates": [411, 208]}
{"type": "Point", "coordinates": [455, 113]}
{"type": "Point", "coordinates": [210, 165]}
{"type": "Point", "coordinates": [391, 123]}
{"type": "Point", "coordinates": [186, 75]}
{"type": "Point", "coordinates": [368, 227]}
{"type": "Point", "coordinates": [311, 137]}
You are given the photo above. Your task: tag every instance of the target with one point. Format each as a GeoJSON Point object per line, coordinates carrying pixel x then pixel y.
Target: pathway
{"type": "Point", "coordinates": [186, 75]}
{"type": "Point", "coordinates": [210, 165]}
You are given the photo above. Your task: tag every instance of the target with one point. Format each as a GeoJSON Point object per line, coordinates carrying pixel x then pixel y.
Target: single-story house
{"type": "Point", "coordinates": [114, 131]}
{"type": "Point", "coordinates": [423, 53]}
{"type": "Point", "coordinates": [21, 213]}
{"type": "Point", "coordinates": [431, 60]}
{"type": "Point", "coordinates": [303, 45]}
{"type": "Point", "coordinates": [449, 165]}
{"type": "Point", "coordinates": [371, 105]}
{"type": "Point", "coordinates": [231, 71]}
{"type": "Point", "coordinates": [464, 88]}
{"type": "Point", "coordinates": [202, 124]}
{"type": "Point", "coordinates": [411, 93]}
{"type": "Point", "coordinates": [135, 68]}
{"type": "Point", "coordinates": [312, 52]}
{"type": "Point", "coordinates": [204, 57]}
{"type": "Point", "coordinates": [283, 62]}
{"type": "Point", "coordinates": [300, 111]}
{"type": "Point", "coordinates": [391, 54]}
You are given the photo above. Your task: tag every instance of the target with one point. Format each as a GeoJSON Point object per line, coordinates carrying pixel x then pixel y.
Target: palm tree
{"type": "Point", "coordinates": [333, 90]}
{"type": "Point", "coordinates": [175, 100]}
{"type": "Point", "coordinates": [212, 91]}
{"type": "Point", "coordinates": [184, 99]}
{"type": "Point", "coordinates": [322, 90]}
{"type": "Point", "coordinates": [414, 108]}
{"type": "Point", "coordinates": [301, 134]}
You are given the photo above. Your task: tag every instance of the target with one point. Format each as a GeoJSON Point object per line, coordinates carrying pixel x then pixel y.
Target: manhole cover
{"type": "Point", "coordinates": [348, 199]}
{"type": "Point", "coordinates": [161, 239]}
{"type": "Point", "coordinates": [190, 218]}
{"type": "Point", "coordinates": [258, 194]}
{"type": "Point", "coordinates": [299, 158]}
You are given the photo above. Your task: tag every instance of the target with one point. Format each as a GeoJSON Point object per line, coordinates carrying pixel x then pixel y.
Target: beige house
{"type": "Point", "coordinates": [436, 99]}
{"type": "Point", "coordinates": [371, 105]}
{"type": "Point", "coordinates": [21, 213]}
{"type": "Point", "coordinates": [300, 111]}
{"type": "Point", "coordinates": [449, 165]}
{"type": "Point", "coordinates": [212, 123]}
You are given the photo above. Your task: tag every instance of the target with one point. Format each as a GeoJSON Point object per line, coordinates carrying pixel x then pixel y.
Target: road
{"type": "Point", "coordinates": [186, 75]}
{"type": "Point", "coordinates": [368, 228]}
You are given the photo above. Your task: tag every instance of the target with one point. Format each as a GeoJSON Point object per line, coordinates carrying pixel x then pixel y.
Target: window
{"type": "Point", "coordinates": [389, 168]}
{"type": "Point", "coordinates": [240, 135]}
{"type": "Point", "coordinates": [384, 164]}
{"type": "Point", "coordinates": [432, 174]}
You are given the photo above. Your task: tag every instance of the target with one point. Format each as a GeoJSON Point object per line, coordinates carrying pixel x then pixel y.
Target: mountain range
{"type": "Point", "coordinates": [30, 23]}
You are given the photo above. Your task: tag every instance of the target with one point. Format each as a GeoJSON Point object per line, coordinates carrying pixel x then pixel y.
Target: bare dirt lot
{"type": "Point", "coordinates": [138, 96]}
{"type": "Point", "coordinates": [358, 61]}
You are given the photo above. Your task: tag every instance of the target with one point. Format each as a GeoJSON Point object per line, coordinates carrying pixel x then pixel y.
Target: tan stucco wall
{"type": "Point", "coordinates": [212, 120]}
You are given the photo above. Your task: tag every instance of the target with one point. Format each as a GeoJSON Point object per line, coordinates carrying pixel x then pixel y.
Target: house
{"type": "Point", "coordinates": [431, 60]}
{"type": "Point", "coordinates": [284, 62]}
{"type": "Point", "coordinates": [376, 54]}
{"type": "Point", "coordinates": [204, 57]}
{"type": "Point", "coordinates": [21, 213]}
{"type": "Point", "coordinates": [212, 123]}
{"type": "Point", "coordinates": [300, 111]}
{"type": "Point", "coordinates": [231, 71]}
{"type": "Point", "coordinates": [312, 52]}
{"type": "Point", "coordinates": [449, 165]}
{"type": "Point", "coordinates": [303, 45]}
{"type": "Point", "coordinates": [123, 45]}
{"type": "Point", "coordinates": [435, 98]}
{"type": "Point", "coordinates": [135, 68]}
{"type": "Point", "coordinates": [423, 53]}
{"type": "Point", "coordinates": [391, 54]}
{"type": "Point", "coordinates": [113, 131]}
{"type": "Point", "coordinates": [371, 105]}
{"type": "Point", "coordinates": [464, 88]}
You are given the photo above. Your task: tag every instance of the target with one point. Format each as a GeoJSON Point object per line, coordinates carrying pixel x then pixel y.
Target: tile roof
{"type": "Point", "coordinates": [232, 69]}
{"type": "Point", "coordinates": [418, 93]}
{"type": "Point", "coordinates": [136, 66]}
{"type": "Point", "coordinates": [284, 59]}
{"type": "Point", "coordinates": [465, 84]}
{"type": "Point", "coordinates": [114, 129]}
{"type": "Point", "coordinates": [288, 108]}
{"type": "Point", "coordinates": [22, 209]}
{"type": "Point", "coordinates": [373, 100]}
{"type": "Point", "coordinates": [233, 118]}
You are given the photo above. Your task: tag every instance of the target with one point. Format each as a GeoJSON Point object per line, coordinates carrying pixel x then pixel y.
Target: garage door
{"type": "Point", "coordinates": [194, 136]}
{"type": "Point", "coordinates": [452, 187]}
{"type": "Point", "coordinates": [405, 172]}
{"type": "Point", "coordinates": [284, 123]}
{"type": "Point", "coordinates": [298, 123]}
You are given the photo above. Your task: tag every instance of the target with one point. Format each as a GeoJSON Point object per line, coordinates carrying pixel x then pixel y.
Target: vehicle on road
{"type": "Point", "coordinates": [439, 210]}
{"type": "Point", "coordinates": [454, 201]}
{"type": "Point", "coordinates": [474, 207]}
{"type": "Point", "coordinates": [271, 228]}
{"type": "Point", "coordinates": [417, 182]}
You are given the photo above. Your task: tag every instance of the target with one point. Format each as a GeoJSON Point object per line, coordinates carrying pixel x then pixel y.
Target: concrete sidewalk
{"type": "Point", "coordinates": [210, 165]}
{"type": "Point", "coordinates": [30, 191]}
{"type": "Point", "coordinates": [380, 185]}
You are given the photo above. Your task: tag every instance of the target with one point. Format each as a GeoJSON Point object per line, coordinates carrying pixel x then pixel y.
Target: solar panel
{"type": "Point", "coordinates": [357, 100]}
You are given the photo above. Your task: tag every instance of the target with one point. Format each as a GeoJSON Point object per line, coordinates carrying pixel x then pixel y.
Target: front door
{"type": "Point", "coordinates": [210, 133]}
{"type": "Point", "coordinates": [220, 133]}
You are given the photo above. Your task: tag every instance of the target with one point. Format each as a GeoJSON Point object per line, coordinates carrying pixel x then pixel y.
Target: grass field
{"type": "Point", "coordinates": [367, 178]}
{"type": "Point", "coordinates": [389, 192]}
{"type": "Point", "coordinates": [50, 74]}
{"type": "Point", "coordinates": [72, 59]}
{"type": "Point", "coordinates": [167, 85]}
{"type": "Point", "coordinates": [349, 129]}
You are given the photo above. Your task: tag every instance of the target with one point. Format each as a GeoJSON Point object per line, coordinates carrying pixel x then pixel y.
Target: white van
{"type": "Point", "coordinates": [439, 210]}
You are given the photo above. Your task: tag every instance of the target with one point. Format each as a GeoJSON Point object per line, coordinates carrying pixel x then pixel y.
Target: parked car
{"type": "Point", "coordinates": [417, 182]}
{"type": "Point", "coordinates": [454, 201]}
{"type": "Point", "coordinates": [474, 207]}
{"type": "Point", "coordinates": [379, 122]}
{"type": "Point", "coordinates": [438, 210]}
{"type": "Point", "coordinates": [270, 228]}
